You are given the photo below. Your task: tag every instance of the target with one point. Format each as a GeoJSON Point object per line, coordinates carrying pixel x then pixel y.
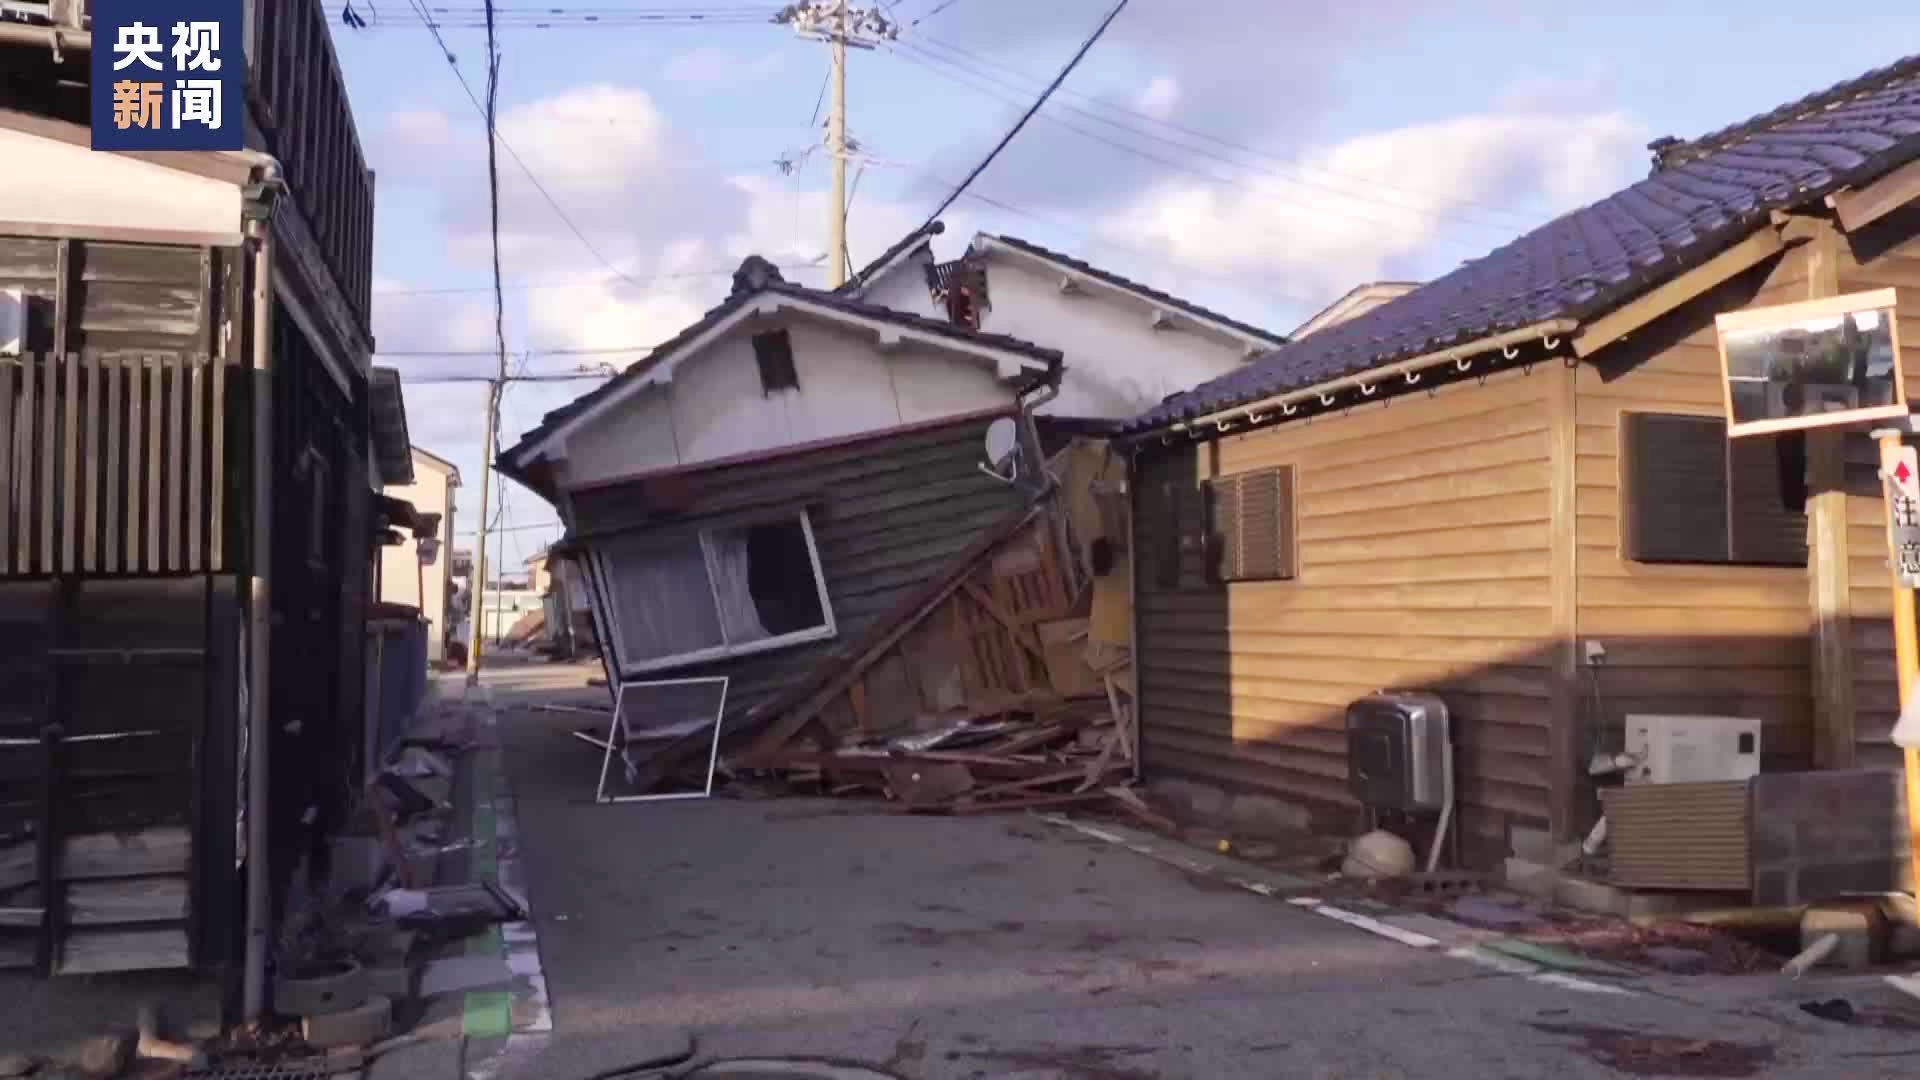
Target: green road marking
{"type": "Point", "coordinates": [489, 1014]}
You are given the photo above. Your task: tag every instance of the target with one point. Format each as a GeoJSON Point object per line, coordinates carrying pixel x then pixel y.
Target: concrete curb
{"type": "Point", "coordinates": [503, 1026]}
{"type": "Point", "coordinates": [1493, 951]}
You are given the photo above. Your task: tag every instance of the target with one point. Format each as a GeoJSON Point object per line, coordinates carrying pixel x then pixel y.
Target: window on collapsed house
{"type": "Point", "coordinates": [718, 592]}
{"type": "Point", "coordinates": [1690, 495]}
{"type": "Point", "coordinates": [773, 352]}
{"type": "Point", "coordinates": [1250, 526]}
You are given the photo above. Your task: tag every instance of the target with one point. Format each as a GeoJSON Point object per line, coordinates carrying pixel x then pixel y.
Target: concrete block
{"type": "Point", "coordinates": [356, 1027]}
{"type": "Point", "coordinates": [1265, 811]}
{"type": "Point", "coordinates": [1861, 928]}
{"type": "Point", "coordinates": [1197, 800]}
{"type": "Point", "coordinates": [393, 981]}
{"type": "Point", "coordinates": [1538, 846]}
{"type": "Point", "coordinates": [1595, 897]}
{"type": "Point", "coordinates": [1529, 878]}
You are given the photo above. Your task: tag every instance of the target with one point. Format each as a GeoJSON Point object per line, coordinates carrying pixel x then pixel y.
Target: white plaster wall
{"type": "Point", "coordinates": [1117, 364]}
{"type": "Point", "coordinates": [402, 579]}
{"type": "Point", "coordinates": [904, 287]}
{"type": "Point", "coordinates": [107, 190]}
{"type": "Point", "coordinates": [714, 407]}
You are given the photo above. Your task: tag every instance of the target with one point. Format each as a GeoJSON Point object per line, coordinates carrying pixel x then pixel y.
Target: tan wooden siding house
{"type": "Point", "coordinates": [1461, 489]}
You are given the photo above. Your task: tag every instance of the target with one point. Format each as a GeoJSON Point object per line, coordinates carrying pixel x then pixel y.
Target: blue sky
{"type": "Point", "coordinates": [1271, 153]}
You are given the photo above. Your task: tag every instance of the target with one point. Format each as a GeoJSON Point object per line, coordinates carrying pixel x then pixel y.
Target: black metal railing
{"type": "Point", "coordinates": [302, 105]}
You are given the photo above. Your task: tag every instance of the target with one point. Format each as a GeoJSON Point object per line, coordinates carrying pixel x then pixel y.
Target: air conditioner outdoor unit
{"type": "Point", "coordinates": [1691, 749]}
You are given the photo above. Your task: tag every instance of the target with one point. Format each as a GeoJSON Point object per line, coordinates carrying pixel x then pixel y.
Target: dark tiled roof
{"type": "Point", "coordinates": [905, 244]}
{"type": "Point", "coordinates": [1707, 195]}
{"type": "Point", "coordinates": [1083, 267]}
{"type": "Point", "coordinates": [639, 368]}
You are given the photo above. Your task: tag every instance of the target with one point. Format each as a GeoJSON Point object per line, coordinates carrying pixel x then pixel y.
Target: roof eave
{"type": "Point", "coordinates": [1549, 332]}
{"type": "Point", "coordinates": [1253, 342]}
{"type": "Point", "coordinates": [519, 458]}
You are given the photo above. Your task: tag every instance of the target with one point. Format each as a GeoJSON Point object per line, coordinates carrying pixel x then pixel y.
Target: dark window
{"type": "Point", "coordinates": [1691, 495]}
{"type": "Point", "coordinates": [1250, 526]}
{"type": "Point", "coordinates": [780, 578]}
{"type": "Point", "coordinates": [773, 351]}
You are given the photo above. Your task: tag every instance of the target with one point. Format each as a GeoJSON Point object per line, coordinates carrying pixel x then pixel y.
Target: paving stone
{"type": "Point", "coordinates": [356, 1027]}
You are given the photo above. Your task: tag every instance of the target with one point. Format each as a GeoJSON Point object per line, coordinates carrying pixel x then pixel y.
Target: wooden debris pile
{"type": "Point", "coordinates": [1006, 683]}
{"type": "Point", "coordinates": [1036, 752]}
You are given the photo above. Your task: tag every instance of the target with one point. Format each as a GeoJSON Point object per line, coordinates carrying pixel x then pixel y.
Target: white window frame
{"type": "Point", "coordinates": [827, 629]}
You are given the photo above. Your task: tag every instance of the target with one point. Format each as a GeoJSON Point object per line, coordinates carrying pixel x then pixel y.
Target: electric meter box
{"type": "Point", "coordinates": [1397, 751]}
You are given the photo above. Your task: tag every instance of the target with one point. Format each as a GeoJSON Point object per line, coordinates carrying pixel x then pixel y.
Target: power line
{"type": "Point", "coordinates": [517, 528]}
{"type": "Point", "coordinates": [558, 351]}
{"type": "Point", "coordinates": [1031, 110]}
{"type": "Point", "coordinates": [575, 283]}
{"type": "Point", "coordinates": [493, 135]}
{"type": "Point", "coordinates": [1237, 183]}
{"type": "Point", "coordinates": [1514, 220]}
{"type": "Point", "coordinates": [944, 5]}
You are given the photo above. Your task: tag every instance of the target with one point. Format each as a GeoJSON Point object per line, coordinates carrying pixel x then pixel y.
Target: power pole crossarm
{"type": "Point", "coordinates": [841, 25]}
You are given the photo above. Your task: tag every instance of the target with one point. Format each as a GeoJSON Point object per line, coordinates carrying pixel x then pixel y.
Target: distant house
{"type": "Point", "coordinates": [1125, 344]}
{"type": "Point", "coordinates": [1475, 486]}
{"type": "Point", "coordinates": [776, 476]}
{"type": "Point", "coordinates": [417, 575]}
{"type": "Point", "coordinates": [1356, 302]}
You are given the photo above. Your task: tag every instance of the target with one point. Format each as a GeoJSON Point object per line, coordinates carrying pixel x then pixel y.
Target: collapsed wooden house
{"type": "Point", "coordinates": [794, 496]}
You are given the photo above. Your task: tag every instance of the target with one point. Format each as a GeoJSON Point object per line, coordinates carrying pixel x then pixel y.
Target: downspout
{"type": "Point", "coordinates": [261, 196]}
{"type": "Point", "coordinates": [1049, 386]}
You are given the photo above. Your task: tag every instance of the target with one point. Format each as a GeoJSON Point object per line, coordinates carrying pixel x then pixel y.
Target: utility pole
{"type": "Point", "coordinates": [477, 593]}
{"type": "Point", "coordinates": [837, 146]}
{"type": "Point", "coordinates": [840, 25]}
{"type": "Point", "coordinates": [499, 384]}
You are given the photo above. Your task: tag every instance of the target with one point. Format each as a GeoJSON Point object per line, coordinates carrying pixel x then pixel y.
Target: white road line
{"type": "Point", "coordinates": [1506, 965]}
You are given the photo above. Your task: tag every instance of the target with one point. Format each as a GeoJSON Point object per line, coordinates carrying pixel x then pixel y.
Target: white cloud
{"type": "Point", "coordinates": [1160, 98]}
{"type": "Point", "coordinates": [1344, 213]}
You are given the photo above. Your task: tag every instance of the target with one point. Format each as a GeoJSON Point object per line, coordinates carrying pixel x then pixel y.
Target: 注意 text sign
{"type": "Point", "coordinates": [168, 75]}
{"type": "Point", "coordinates": [1903, 515]}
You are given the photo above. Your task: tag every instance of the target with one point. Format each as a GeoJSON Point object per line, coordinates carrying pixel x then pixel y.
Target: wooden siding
{"type": "Point", "coordinates": [112, 427]}
{"type": "Point", "coordinates": [888, 513]}
{"type": "Point", "coordinates": [1867, 265]}
{"type": "Point", "coordinates": [1697, 639]}
{"type": "Point", "coordinates": [1424, 563]}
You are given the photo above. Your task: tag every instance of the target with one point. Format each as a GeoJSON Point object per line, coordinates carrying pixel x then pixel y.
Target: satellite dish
{"type": "Point", "coordinates": [1003, 449]}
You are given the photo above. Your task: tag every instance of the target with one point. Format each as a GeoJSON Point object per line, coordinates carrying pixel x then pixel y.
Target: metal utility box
{"type": "Point", "coordinates": [1691, 749]}
{"type": "Point", "coordinates": [1397, 751]}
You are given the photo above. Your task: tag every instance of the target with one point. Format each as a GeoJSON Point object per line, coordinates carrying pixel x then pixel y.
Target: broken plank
{"type": "Point", "coordinates": [1014, 744]}
{"type": "Point", "coordinates": [1130, 802]}
{"type": "Point", "coordinates": [1037, 802]}
{"type": "Point", "coordinates": [1060, 777]}
{"type": "Point", "coordinates": [927, 784]}
{"type": "Point", "coordinates": [1015, 629]}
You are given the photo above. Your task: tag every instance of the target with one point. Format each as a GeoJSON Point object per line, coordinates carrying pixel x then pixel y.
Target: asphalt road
{"type": "Point", "coordinates": [1002, 946]}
